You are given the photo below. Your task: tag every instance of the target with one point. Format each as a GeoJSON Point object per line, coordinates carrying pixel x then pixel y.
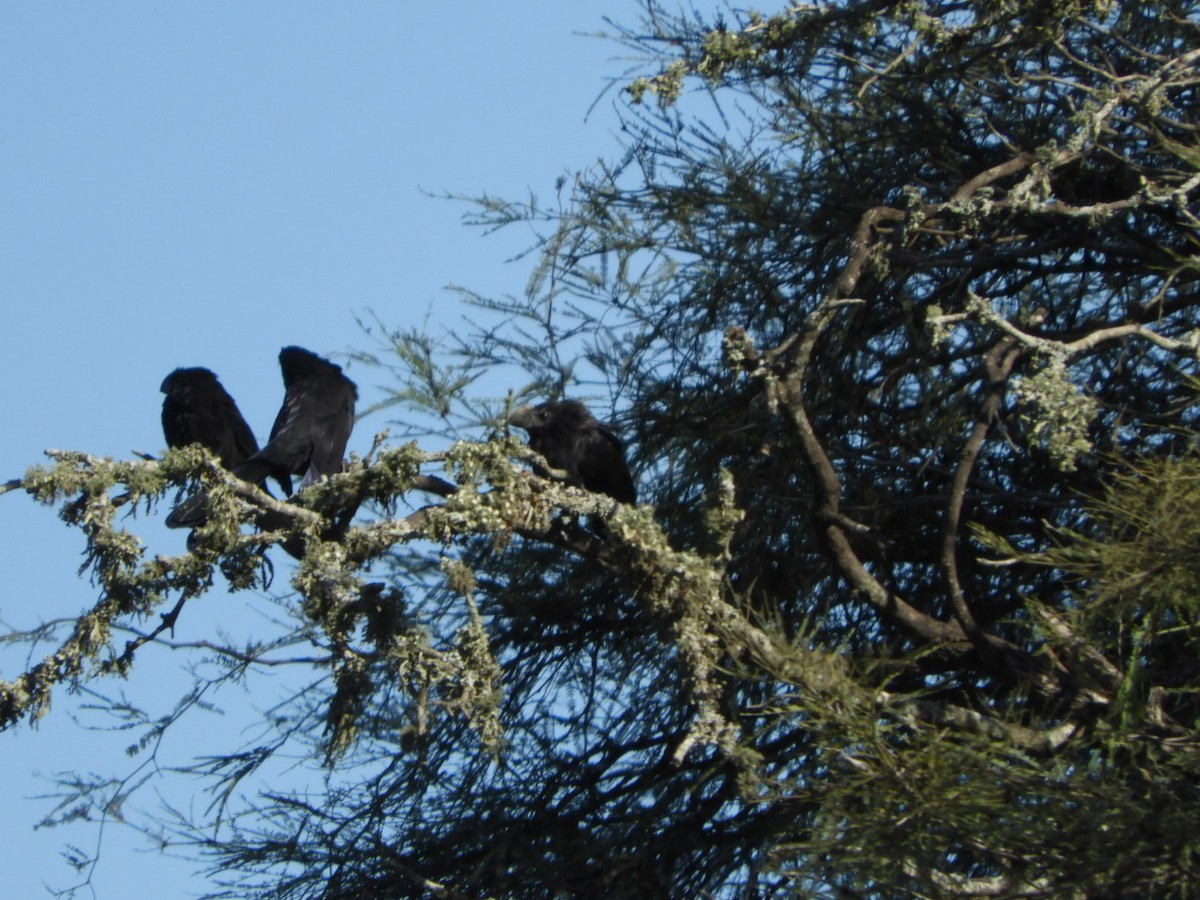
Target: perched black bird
{"type": "Point", "coordinates": [310, 433]}
{"type": "Point", "coordinates": [568, 436]}
{"type": "Point", "coordinates": [198, 410]}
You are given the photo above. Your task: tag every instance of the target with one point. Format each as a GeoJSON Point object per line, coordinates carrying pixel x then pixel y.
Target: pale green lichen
{"type": "Point", "coordinates": [1057, 413]}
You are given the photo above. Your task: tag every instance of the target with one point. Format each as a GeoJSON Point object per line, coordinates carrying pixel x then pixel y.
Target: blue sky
{"type": "Point", "coordinates": [201, 184]}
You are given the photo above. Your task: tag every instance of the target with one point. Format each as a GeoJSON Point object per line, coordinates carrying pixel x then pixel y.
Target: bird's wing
{"type": "Point", "coordinates": [332, 423]}
{"type": "Point", "coordinates": [240, 441]}
{"type": "Point", "coordinates": [602, 465]}
{"type": "Point", "coordinates": [290, 445]}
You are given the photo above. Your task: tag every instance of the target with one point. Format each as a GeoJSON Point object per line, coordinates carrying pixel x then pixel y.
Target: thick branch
{"type": "Point", "coordinates": [997, 365]}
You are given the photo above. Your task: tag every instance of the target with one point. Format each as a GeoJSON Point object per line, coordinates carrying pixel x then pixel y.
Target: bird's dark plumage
{"type": "Point", "coordinates": [313, 426]}
{"type": "Point", "coordinates": [198, 410]}
{"type": "Point", "coordinates": [571, 439]}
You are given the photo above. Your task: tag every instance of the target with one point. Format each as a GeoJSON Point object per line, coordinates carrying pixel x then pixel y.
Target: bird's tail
{"type": "Point", "coordinates": [256, 469]}
{"type": "Point", "coordinates": [190, 513]}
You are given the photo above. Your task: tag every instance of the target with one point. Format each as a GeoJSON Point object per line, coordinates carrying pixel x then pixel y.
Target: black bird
{"type": "Point", "coordinates": [571, 439]}
{"type": "Point", "coordinates": [198, 410]}
{"type": "Point", "coordinates": [313, 426]}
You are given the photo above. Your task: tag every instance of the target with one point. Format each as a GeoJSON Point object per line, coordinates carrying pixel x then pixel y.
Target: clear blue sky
{"type": "Point", "coordinates": [201, 184]}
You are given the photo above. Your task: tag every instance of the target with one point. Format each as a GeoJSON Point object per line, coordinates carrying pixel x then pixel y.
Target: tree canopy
{"type": "Point", "coordinates": [895, 306]}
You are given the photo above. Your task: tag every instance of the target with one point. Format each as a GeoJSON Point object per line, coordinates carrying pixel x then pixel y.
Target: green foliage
{"type": "Point", "coordinates": [1137, 592]}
